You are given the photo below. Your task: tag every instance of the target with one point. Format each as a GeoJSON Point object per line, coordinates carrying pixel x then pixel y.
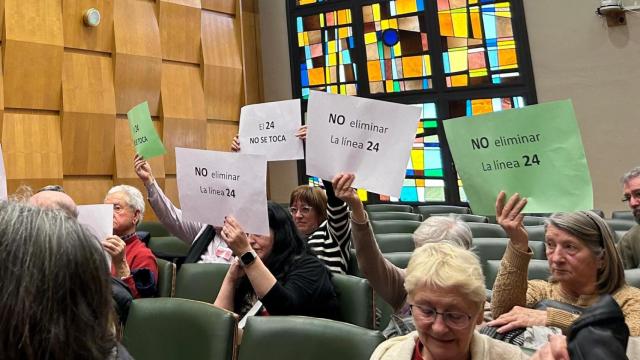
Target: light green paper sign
{"type": "Point", "coordinates": [535, 151]}
{"type": "Point", "coordinates": [143, 133]}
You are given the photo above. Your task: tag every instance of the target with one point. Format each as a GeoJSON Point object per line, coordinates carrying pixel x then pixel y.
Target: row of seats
{"type": "Point", "coordinates": [170, 328]}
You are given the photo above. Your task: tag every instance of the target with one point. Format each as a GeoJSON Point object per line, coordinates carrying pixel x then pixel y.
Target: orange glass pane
{"type": "Point", "coordinates": [507, 57]}
{"type": "Point", "coordinates": [412, 66]}
{"type": "Point", "coordinates": [316, 76]}
{"type": "Point", "coordinates": [373, 68]}
{"type": "Point", "coordinates": [481, 106]}
{"type": "Point", "coordinates": [459, 80]}
{"type": "Point", "coordinates": [406, 6]}
{"type": "Point", "coordinates": [446, 24]}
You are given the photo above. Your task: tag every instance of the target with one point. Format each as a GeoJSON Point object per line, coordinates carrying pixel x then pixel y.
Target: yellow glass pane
{"type": "Point", "coordinates": [331, 47]}
{"type": "Point", "coordinates": [343, 17]}
{"type": "Point", "coordinates": [306, 2]}
{"type": "Point", "coordinates": [389, 85]}
{"type": "Point", "coordinates": [459, 19]}
{"type": "Point", "coordinates": [417, 158]}
{"type": "Point", "coordinates": [458, 60]}
{"type": "Point", "coordinates": [478, 73]}
{"type": "Point", "coordinates": [301, 39]}
{"type": "Point", "coordinates": [373, 69]}
{"type": "Point", "coordinates": [393, 23]}
{"type": "Point", "coordinates": [427, 64]}
{"type": "Point", "coordinates": [384, 24]}
{"type": "Point", "coordinates": [343, 32]}
{"type": "Point", "coordinates": [316, 76]}
{"type": "Point", "coordinates": [370, 38]}
{"type": "Point", "coordinates": [376, 12]}
{"type": "Point", "coordinates": [332, 59]}
{"type": "Point", "coordinates": [397, 50]}
{"type": "Point", "coordinates": [412, 66]}
{"type": "Point", "coordinates": [321, 16]}
{"type": "Point", "coordinates": [406, 6]}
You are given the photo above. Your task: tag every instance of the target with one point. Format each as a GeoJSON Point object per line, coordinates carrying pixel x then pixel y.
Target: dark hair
{"type": "Point", "coordinates": [288, 243]}
{"type": "Point", "coordinates": [55, 301]}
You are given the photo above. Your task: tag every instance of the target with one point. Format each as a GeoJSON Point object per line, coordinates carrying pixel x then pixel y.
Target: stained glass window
{"type": "Point", "coordinates": [325, 45]}
{"type": "Point", "coordinates": [478, 42]}
{"type": "Point", "coordinates": [396, 45]}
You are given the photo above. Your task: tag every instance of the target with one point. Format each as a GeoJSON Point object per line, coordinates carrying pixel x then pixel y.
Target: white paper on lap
{"type": "Point", "coordinates": [98, 219]}
{"type": "Point", "coordinates": [370, 138]}
{"type": "Point", "coordinates": [270, 128]}
{"type": "Point", "coordinates": [213, 184]}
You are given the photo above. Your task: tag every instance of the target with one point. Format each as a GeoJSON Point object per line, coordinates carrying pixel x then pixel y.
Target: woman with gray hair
{"type": "Point", "coordinates": [132, 261]}
{"type": "Point", "coordinates": [385, 278]}
{"type": "Point", "coordinates": [55, 301]}
{"type": "Point", "coordinates": [584, 264]}
{"type": "Point", "coordinates": [445, 288]}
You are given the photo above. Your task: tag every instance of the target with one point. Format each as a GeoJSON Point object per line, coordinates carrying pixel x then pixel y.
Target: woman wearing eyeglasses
{"type": "Point", "coordinates": [445, 290]}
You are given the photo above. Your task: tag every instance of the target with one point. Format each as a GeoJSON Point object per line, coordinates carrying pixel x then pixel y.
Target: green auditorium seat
{"type": "Point", "coordinates": [620, 224]}
{"type": "Point", "coordinates": [166, 278]}
{"type": "Point", "coordinates": [394, 215]}
{"type": "Point", "coordinates": [467, 217]}
{"type": "Point", "coordinates": [489, 249]}
{"type": "Point", "coordinates": [538, 269]}
{"type": "Point", "coordinates": [355, 300]}
{"type": "Point", "coordinates": [388, 207]}
{"type": "Point", "coordinates": [428, 210]}
{"type": "Point", "coordinates": [156, 229]}
{"type": "Point", "coordinates": [353, 268]}
{"type": "Point", "coordinates": [298, 337]}
{"type": "Point", "coordinates": [168, 247]}
{"type": "Point", "coordinates": [481, 230]}
{"type": "Point", "coordinates": [618, 235]}
{"type": "Point", "coordinates": [394, 226]}
{"type": "Point", "coordinates": [170, 328]}
{"type": "Point", "coordinates": [399, 259]}
{"type": "Point", "coordinates": [536, 232]}
{"type": "Point", "coordinates": [533, 220]}
{"type": "Point", "coordinates": [395, 242]}
{"type": "Point", "coordinates": [200, 281]}
{"type": "Point", "coordinates": [623, 215]}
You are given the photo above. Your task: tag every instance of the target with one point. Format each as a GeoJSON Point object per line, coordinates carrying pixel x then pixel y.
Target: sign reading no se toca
{"type": "Point", "coordinates": [370, 138]}
{"type": "Point", "coordinates": [535, 151]}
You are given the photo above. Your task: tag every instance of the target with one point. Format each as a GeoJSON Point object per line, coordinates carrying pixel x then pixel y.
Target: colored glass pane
{"type": "Point", "coordinates": [478, 43]}
{"type": "Point", "coordinates": [325, 53]}
{"type": "Point", "coordinates": [396, 44]}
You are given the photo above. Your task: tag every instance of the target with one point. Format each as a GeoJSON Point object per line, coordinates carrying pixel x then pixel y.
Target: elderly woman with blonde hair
{"type": "Point", "coordinates": [445, 288]}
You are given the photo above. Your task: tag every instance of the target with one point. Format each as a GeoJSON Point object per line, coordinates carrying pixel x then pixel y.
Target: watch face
{"type": "Point", "coordinates": [248, 257]}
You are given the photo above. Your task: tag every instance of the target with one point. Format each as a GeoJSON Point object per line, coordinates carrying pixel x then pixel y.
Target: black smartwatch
{"type": "Point", "coordinates": [247, 258]}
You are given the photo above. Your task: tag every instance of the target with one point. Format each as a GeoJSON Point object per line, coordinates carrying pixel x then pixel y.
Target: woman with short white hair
{"type": "Point", "coordinates": [446, 293]}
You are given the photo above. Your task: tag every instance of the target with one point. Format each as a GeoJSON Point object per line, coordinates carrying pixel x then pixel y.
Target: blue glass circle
{"type": "Point", "coordinates": [390, 37]}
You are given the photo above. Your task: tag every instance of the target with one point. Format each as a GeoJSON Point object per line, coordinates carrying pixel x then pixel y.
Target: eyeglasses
{"type": "Point", "coordinates": [456, 320]}
{"type": "Point", "coordinates": [305, 210]}
{"type": "Point", "coordinates": [634, 195]}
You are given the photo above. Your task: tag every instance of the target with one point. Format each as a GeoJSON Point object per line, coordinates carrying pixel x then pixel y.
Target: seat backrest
{"type": "Point", "coordinates": [482, 230]}
{"type": "Point", "coordinates": [533, 220]}
{"type": "Point", "coordinates": [156, 229]}
{"type": "Point", "coordinates": [395, 242]}
{"type": "Point", "coordinates": [388, 207]}
{"type": "Point", "coordinates": [538, 269]}
{"type": "Point", "coordinates": [170, 328]}
{"type": "Point", "coordinates": [467, 217]}
{"type": "Point", "coordinates": [632, 277]}
{"type": "Point", "coordinates": [299, 337]}
{"type": "Point", "coordinates": [536, 232]}
{"type": "Point", "coordinates": [399, 259]}
{"type": "Point", "coordinates": [355, 300]}
{"type": "Point", "coordinates": [166, 278]}
{"type": "Point", "coordinates": [618, 234]}
{"type": "Point", "coordinates": [623, 215]}
{"type": "Point", "coordinates": [352, 267]}
{"type": "Point", "coordinates": [168, 247]}
{"type": "Point", "coordinates": [539, 250]}
{"type": "Point", "coordinates": [394, 226]}
{"type": "Point", "coordinates": [620, 224]}
{"type": "Point", "coordinates": [428, 210]}
{"type": "Point", "coordinates": [394, 215]}
{"type": "Point", "coordinates": [200, 281]}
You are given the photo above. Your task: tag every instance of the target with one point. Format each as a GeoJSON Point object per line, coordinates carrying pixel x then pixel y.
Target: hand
{"type": "Point", "coordinates": [233, 234]}
{"type": "Point", "coordinates": [510, 217]}
{"type": "Point", "coordinates": [555, 349]}
{"type": "Point", "coordinates": [143, 169]}
{"type": "Point", "coordinates": [342, 188]}
{"type": "Point", "coordinates": [519, 317]}
{"type": "Point", "coordinates": [302, 133]}
{"type": "Point", "coordinates": [235, 144]}
{"type": "Point", "coordinates": [115, 247]}
{"type": "Point", "coordinates": [236, 271]}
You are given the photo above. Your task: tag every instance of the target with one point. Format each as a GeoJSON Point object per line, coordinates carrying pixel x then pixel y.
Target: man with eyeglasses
{"type": "Point", "coordinates": [629, 245]}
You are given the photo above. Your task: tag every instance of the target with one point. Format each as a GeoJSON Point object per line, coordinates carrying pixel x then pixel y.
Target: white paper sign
{"type": "Point", "coordinates": [370, 138]}
{"type": "Point", "coordinates": [3, 178]}
{"type": "Point", "coordinates": [270, 129]}
{"type": "Point", "coordinates": [213, 184]}
{"type": "Point", "coordinates": [98, 219]}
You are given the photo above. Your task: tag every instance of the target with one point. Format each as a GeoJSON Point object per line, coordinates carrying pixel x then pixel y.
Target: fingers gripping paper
{"type": "Point", "coordinates": [370, 138]}
{"type": "Point", "coordinates": [536, 151]}
{"type": "Point", "coordinates": [143, 133]}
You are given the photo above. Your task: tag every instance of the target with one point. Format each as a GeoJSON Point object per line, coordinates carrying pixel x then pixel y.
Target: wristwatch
{"type": "Point", "coordinates": [248, 258]}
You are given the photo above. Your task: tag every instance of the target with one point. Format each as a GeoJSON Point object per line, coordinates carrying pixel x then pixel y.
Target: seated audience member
{"type": "Point", "coordinates": [56, 299]}
{"type": "Point", "coordinates": [446, 293]}
{"type": "Point", "coordinates": [206, 245]}
{"type": "Point", "coordinates": [132, 261]}
{"type": "Point", "coordinates": [385, 278]}
{"type": "Point", "coordinates": [322, 217]}
{"type": "Point", "coordinates": [584, 264]}
{"type": "Point", "coordinates": [629, 245]}
{"type": "Point", "coordinates": [275, 269]}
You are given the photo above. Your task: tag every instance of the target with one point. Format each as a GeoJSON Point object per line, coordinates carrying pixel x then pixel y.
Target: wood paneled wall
{"type": "Point", "coordinates": [65, 88]}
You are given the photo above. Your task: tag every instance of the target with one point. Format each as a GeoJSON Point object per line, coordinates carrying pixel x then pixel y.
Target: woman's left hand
{"type": "Point", "coordinates": [233, 234]}
{"type": "Point", "coordinates": [519, 317]}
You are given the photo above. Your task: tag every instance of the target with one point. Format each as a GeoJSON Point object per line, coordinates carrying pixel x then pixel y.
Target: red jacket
{"type": "Point", "coordinates": [139, 257]}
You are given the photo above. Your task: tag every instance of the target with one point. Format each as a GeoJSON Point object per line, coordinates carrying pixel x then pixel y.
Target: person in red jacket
{"type": "Point", "coordinates": [132, 261]}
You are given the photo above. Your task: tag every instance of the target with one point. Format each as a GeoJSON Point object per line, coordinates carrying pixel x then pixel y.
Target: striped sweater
{"type": "Point", "coordinates": [331, 241]}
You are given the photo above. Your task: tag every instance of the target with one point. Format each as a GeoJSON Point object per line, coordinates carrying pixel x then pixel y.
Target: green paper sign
{"type": "Point", "coordinates": [535, 151]}
{"type": "Point", "coordinates": [143, 133]}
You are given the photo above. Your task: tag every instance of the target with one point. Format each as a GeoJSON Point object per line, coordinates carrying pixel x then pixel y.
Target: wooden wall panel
{"type": "Point", "coordinates": [125, 152]}
{"type": "Point", "coordinates": [31, 147]}
{"type": "Point", "coordinates": [252, 73]}
{"type": "Point", "coordinates": [87, 190]}
{"type": "Point", "coordinates": [183, 111]}
{"type": "Point", "coordinates": [180, 30]}
{"type": "Point", "coordinates": [88, 118]}
{"type": "Point", "coordinates": [79, 36]}
{"type": "Point", "coordinates": [223, 6]}
{"type": "Point", "coordinates": [171, 189]}
{"type": "Point", "coordinates": [222, 62]}
{"type": "Point", "coordinates": [138, 61]}
{"type": "Point", "coordinates": [220, 134]}
{"type": "Point", "coordinates": [33, 49]}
